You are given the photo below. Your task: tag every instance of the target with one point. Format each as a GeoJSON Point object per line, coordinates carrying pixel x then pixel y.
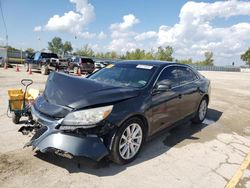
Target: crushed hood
{"type": "Point", "coordinates": [64, 91]}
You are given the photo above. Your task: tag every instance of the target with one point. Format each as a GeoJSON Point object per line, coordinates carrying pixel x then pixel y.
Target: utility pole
{"type": "Point", "coordinates": [21, 55]}
{"type": "Point", "coordinates": [7, 47]}
{"type": "Point", "coordinates": [5, 27]}
{"type": "Point", "coordinates": [7, 38]}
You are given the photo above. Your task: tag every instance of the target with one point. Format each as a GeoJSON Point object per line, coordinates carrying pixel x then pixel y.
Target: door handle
{"type": "Point", "coordinates": [180, 96]}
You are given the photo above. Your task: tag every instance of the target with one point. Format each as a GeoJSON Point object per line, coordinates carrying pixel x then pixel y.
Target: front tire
{"type": "Point", "coordinates": [201, 112]}
{"type": "Point", "coordinates": [128, 141]}
{"type": "Point", "coordinates": [15, 118]}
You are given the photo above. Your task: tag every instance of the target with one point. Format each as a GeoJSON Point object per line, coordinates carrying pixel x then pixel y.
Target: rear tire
{"type": "Point", "coordinates": [15, 118]}
{"type": "Point", "coordinates": [44, 70]}
{"type": "Point", "coordinates": [201, 112]}
{"type": "Point", "coordinates": [128, 141]}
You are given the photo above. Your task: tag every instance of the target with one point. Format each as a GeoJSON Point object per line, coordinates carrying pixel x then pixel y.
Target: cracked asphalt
{"type": "Point", "coordinates": [205, 155]}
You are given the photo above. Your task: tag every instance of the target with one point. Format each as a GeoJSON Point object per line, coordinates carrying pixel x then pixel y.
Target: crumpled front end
{"type": "Point", "coordinates": [50, 137]}
{"type": "Point", "coordinates": [65, 95]}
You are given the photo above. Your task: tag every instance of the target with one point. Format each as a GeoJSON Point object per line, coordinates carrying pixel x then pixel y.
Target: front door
{"type": "Point", "coordinates": [165, 104]}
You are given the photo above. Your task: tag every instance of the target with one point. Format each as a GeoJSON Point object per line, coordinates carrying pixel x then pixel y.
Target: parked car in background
{"type": "Point", "coordinates": [45, 62]}
{"type": "Point", "coordinates": [115, 110]}
{"type": "Point", "coordinates": [98, 66]}
{"type": "Point", "coordinates": [86, 65]}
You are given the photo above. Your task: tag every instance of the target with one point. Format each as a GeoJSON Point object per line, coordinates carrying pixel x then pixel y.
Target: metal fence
{"type": "Point", "coordinates": [13, 56]}
{"type": "Point", "coordinates": [216, 68]}
{"type": "Point", "coordinates": [3, 52]}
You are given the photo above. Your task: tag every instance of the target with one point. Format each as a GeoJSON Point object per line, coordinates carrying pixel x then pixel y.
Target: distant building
{"type": "Point", "coordinates": [13, 56]}
{"type": "Point", "coordinates": [3, 52]}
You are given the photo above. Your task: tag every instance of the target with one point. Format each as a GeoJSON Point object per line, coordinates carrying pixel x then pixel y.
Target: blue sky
{"type": "Point", "coordinates": [125, 25]}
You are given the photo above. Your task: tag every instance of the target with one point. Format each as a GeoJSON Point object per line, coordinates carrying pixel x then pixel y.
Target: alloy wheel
{"type": "Point", "coordinates": [203, 109]}
{"type": "Point", "coordinates": [130, 141]}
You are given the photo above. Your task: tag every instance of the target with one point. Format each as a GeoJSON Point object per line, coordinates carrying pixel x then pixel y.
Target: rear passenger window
{"type": "Point", "coordinates": [170, 74]}
{"type": "Point", "coordinates": [87, 61]}
{"type": "Point", "coordinates": [186, 75]}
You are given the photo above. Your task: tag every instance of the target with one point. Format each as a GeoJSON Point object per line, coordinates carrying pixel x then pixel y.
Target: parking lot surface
{"type": "Point", "coordinates": [205, 155]}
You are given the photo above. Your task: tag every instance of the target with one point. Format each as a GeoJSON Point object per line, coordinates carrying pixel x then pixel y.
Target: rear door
{"type": "Point", "coordinates": [165, 105]}
{"type": "Point", "coordinates": [189, 91]}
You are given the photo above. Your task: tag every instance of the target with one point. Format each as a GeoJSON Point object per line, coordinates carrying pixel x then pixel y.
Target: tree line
{"type": "Point", "coordinates": [56, 45]}
{"type": "Point", "coordinates": [161, 53]}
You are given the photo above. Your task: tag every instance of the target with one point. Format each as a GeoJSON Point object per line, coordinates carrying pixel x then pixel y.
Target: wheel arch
{"type": "Point", "coordinates": [206, 96]}
{"type": "Point", "coordinates": [141, 117]}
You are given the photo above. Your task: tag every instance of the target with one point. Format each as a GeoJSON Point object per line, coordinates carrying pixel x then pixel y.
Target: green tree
{"type": "Point", "coordinates": [246, 56]}
{"type": "Point", "coordinates": [10, 48]}
{"type": "Point", "coordinates": [164, 54]}
{"type": "Point", "coordinates": [111, 55]}
{"type": "Point", "coordinates": [85, 51]}
{"type": "Point", "coordinates": [137, 54]}
{"type": "Point", "coordinates": [185, 61]}
{"type": "Point", "coordinates": [30, 50]}
{"type": "Point", "coordinates": [149, 55]}
{"type": "Point", "coordinates": [208, 58]}
{"type": "Point", "coordinates": [100, 55]}
{"type": "Point", "coordinates": [56, 45]}
{"type": "Point", "coordinates": [67, 47]}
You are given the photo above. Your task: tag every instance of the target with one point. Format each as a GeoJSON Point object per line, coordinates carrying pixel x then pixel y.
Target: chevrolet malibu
{"type": "Point", "coordinates": [115, 110]}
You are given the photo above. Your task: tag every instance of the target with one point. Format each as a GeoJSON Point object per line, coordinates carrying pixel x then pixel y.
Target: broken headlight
{"type": "Point", "coordinates": [87, 117]}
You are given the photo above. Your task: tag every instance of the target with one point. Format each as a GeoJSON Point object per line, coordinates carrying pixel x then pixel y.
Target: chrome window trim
{"type": "Point", "coordinates": [177, 65]}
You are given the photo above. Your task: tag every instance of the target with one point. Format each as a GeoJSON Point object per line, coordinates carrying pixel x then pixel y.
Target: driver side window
{"type": "Point", "coordinates": [171, 75]}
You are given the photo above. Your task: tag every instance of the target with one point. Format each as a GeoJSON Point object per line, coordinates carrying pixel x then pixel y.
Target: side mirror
{"type": "Point", "coordinates": [164, 85]}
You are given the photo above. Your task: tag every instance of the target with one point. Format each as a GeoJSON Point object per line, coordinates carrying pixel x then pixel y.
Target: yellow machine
{"type": "Point", "coordinates": [20, 101]}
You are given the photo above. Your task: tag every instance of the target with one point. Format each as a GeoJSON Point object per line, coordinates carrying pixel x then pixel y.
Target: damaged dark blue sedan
{"type": "Point", "coordinates": [115, 110]}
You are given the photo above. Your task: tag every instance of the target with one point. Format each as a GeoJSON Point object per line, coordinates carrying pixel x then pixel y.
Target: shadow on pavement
{"type": "Point", "coordinates": [160, 144]}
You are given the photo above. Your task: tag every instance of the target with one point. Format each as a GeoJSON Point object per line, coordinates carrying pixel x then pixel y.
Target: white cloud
{"type": "Point", "coordinates": [102, 35]}
{"type": "Point", "coordinates": [95, 47]}
{"type": "Point", "coordinates": [37, 28]}
{"type": "Point", "coordinates": [195, 33]}
{"type": "Point", "coordinates": [146, 35]}
{"type": "Point", "coordinates": [73, 22]}
{"type": "Point", "coordinates": [86, 35]}
{"type": "Point", "coordinates": [122, 35]}
{"type": "Point", "coordinates": [122, 45]}
{"type": "Point", "coordinates": [128, 21]}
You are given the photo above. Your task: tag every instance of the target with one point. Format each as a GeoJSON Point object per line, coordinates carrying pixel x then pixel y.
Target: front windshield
{"type": "Point", "coordinates": [124, 75]}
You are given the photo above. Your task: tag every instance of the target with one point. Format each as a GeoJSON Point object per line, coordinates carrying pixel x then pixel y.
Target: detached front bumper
{"type": "Point", "coordinates": [49, 137]}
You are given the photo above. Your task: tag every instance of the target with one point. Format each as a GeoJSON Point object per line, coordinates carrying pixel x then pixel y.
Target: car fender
{"type": "Point", "coordinates": [123, 121]}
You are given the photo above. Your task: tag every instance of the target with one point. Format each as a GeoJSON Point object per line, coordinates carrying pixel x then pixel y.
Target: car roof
{"type": "Point", "coordinates": [148, 62]}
